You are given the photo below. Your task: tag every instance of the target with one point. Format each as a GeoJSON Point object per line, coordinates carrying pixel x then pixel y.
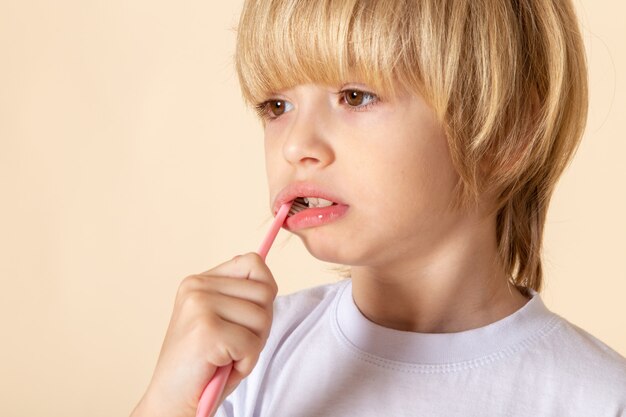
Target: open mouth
{"type": "Point", "coordinates": [303, 203]}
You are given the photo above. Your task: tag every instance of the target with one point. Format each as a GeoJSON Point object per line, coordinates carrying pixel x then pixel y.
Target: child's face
{"type": "Point", "coordinates": [388, 162]}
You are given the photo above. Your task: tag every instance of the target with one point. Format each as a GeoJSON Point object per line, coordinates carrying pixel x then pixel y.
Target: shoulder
{"type": "Point", "coordinates": [309, 295]}
{"type": "Point", "coordinates": [589, 348]}
{"type": "Point", "coordinates": [591, 364]}
{"type": "Point", "coordinates": [304, 309]}
{"type": "Point", "coordinates": [296, 306]}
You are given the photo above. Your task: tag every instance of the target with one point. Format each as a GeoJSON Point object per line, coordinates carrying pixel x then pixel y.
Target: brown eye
{"type": "Point", "coordinates": [277, 107]}
{"type": "Point", "coordinates": [358, 100]}
{"type": "Point", "coordinates": [354, 97]}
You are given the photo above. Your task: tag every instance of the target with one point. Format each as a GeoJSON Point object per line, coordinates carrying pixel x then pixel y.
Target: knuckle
{"type": "Point", "coordinates": [253, 258]}
{"type": "Point", "coordinates": [245, 258]}
{"type": "Point", "coordinates": [194, 300]}
{"type": "Point", "coordinates": [236, 352]}
{"type": "Point", "coordinates": [196, 282]}
{"type": "Point", "coordinates": [219, 354]}
{"type": "Point", "coordinates": [189, 283]}
{"type": "Point", "coordinates": [243, 262]}
{"type": "Point", "coordinates": [246, 366]}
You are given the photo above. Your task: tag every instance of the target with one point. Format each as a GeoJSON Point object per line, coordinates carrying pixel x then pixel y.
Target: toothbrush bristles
{"type": "Point", "coordinates": [297, 207]}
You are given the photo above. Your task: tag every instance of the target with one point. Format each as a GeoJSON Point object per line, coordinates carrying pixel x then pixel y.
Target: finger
{"type": "Point", "coordinates": [244, 313]}
{"type": "Point", "coordinates": [242, 369]}
{"type": "Point", "coordinates": [236, 343]}
{"type": "Point", "coordinates": [256, 292]}
{"type": "Point", "coordinates": [249, 265]}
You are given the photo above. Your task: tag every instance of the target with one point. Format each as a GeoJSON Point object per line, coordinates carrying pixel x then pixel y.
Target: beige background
{"type": "Point", "coordinates": [128, 161]}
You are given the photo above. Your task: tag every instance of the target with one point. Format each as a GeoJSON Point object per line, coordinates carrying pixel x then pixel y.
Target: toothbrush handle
{"type": "Point", "coordinates": [274, 228]}
{"type": "Point", "coordinates": [213, 391]}
{"type": "Point", "coordinates": [215, 388]}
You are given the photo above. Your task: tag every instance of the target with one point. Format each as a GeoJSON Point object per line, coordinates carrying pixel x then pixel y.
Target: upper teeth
{"type": "Point", "coordinates": [317, 202]}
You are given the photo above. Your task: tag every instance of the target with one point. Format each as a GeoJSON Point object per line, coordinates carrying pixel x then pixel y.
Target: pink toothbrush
{"type": "Point", "coordinates": [214, 389]}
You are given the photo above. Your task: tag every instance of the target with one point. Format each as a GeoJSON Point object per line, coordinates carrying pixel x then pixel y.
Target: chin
{"type": "Point", "coordinates": [336, 253]}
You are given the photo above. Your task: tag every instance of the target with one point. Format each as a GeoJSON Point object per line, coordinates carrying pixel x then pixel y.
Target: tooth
{"type": "Point", "coordinates": [317, 202]}
{"type": "Point", "coordinates": [324, 203]}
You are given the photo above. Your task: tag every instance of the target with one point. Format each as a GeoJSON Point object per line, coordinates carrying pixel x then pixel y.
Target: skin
{"type": "Point", "coordinates": [220, 316]}
{"type": "Point", "coordinates": [417, 264]}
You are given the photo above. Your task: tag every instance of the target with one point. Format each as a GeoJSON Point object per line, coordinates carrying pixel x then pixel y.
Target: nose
{"type": "Point", "coordinates": [307, 139]}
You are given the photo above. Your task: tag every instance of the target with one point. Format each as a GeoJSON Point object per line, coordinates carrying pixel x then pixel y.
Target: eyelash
{"type": "Point", "coordinates": [263, 111]}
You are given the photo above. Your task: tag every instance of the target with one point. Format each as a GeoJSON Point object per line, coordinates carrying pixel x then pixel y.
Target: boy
{"type": "Point", "coordinates": [437, 131]}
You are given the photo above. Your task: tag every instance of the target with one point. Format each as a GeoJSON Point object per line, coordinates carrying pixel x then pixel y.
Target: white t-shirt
{"type": "Point", "coordinates": [323, 358]}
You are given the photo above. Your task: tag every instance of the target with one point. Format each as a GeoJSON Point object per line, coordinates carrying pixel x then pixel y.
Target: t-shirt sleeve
{"type": "Point", "coordinates": [225, 409]}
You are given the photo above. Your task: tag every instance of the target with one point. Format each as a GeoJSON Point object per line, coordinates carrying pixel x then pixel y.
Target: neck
{"type": "Point", "coordinates": [457, 285]}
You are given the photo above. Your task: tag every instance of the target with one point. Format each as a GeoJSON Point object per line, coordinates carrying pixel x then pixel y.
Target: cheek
{"type": "Point", "coordinates": [435, 178]}
{"type": "Point", "coordinates": [417, 175]}
{"type": "Point", "coordinates": [274, 170]}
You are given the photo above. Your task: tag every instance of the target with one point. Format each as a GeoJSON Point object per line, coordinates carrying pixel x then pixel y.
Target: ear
{"type": "Point", "coordinates": [504, 159]}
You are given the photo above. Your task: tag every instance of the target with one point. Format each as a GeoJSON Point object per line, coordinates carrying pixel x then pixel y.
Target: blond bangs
{"type": "Point", "coordinates": [283, 43]}
{"type": "Point", "coordinates": [507, 80]}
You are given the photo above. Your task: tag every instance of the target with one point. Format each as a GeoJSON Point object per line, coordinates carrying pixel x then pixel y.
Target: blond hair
{"type": "Point", "coordinates": [506, 78]}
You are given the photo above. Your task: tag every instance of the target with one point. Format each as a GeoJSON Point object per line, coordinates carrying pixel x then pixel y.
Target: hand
{"type": "Point", "coordinates": [219, 317]}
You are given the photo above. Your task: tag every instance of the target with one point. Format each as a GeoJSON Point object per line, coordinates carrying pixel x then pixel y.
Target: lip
{"type": "Point", "coordinates": [303, 189]}
{"type": "Point", "coordinates": [315, 217]}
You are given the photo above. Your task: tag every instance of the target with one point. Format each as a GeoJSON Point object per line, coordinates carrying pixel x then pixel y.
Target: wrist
{"type": "Point", "coordinates": [150, 407]}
